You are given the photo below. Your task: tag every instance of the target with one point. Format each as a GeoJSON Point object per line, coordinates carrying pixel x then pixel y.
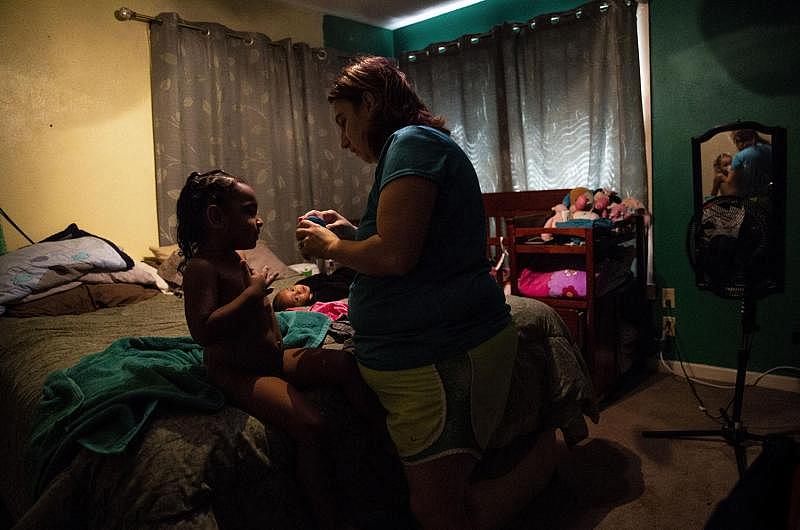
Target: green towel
{"type": "Point", "coordinates": [303, 329]}
{"type": "Point", "coordinates": [102, 402]}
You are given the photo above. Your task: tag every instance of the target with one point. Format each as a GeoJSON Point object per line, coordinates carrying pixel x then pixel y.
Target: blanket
{"type": "Point", "coordinates": [303, 329]}
{"type": "Point", "coordinates": [102, 402]}
{"type": "Point", "coordinates": [226, 469]}
{"type": "Point", "coordinates": [50, 264]}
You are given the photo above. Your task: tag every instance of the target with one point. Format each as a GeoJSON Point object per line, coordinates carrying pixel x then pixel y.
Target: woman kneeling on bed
{"type": "Point", "coordinates": [227, 313]}
{"type": "Point", "coordinates": [433, 335]}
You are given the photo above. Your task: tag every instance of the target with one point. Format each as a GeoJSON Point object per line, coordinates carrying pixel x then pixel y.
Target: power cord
{"type": "Point", "coordinates": [693, 380]}
{"type": "Point", "coordinates": [4, 214]}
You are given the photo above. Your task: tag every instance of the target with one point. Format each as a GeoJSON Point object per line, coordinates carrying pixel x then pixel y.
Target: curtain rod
{"type": "Point", "coordinates": [552, 19]}
{"type": "Point", "coordinates": [123, 14]}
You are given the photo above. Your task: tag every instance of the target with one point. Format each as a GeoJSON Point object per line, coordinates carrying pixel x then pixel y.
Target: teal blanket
{"type": "Point", "coordinates": [104, 400]}
{"type": "Point", "coordinates": [303, 329]}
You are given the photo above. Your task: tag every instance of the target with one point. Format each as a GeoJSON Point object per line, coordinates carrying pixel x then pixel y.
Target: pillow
{"type": "Point", "coordinates": [162, 254]}
{"type": "Point", "coordinates": [48, 264]}
{"type": "Point", "coordinates": [261, 255]}
{"type": "Point", "coordinates": [141, 273]}
{"type": "Point", "coordinates": [73, 232]}
{"type": "Point", "coordinates": [256, 257]}
{"type": "Point", "coordinates": [84, 298]}
{"type": "Point", "coordinates": [169, 269]}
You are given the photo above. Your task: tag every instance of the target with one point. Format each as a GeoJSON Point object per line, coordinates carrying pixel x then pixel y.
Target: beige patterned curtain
{"type": "Point", "coordinates": [550, 103]}
{"type": "Point", "coordinates": [257, 109]}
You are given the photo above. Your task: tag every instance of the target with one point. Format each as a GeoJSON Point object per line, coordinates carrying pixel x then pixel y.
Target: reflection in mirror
{"type": "Point", "coordinates": [738, 163]}
{"type": "Point", "coordinates": [745, 159]}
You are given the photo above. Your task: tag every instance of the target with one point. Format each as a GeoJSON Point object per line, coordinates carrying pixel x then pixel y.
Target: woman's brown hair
{"type": "Point", "coordinates": [397, 103]}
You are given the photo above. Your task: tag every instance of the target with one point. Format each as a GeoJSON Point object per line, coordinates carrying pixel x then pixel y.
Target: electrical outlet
{"type": "Point", "coordinates": [668, 297]}
{"type": "Point", "coordinates": [668, 326]}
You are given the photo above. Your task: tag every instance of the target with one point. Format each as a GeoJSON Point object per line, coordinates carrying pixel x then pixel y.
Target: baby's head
{"type": "Point", "coordinates": [297, 295]}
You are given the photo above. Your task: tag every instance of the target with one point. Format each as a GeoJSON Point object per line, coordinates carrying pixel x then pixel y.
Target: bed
{"type": "Point", "coordinates": [221, 468]}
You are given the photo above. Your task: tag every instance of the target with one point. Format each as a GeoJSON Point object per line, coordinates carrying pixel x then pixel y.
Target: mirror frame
{"type": "Point", "coordinates": [777, 194]}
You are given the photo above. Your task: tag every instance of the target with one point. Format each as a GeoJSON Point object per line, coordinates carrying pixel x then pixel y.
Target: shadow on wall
{"type": "Point", "coordinates": [756, 43]}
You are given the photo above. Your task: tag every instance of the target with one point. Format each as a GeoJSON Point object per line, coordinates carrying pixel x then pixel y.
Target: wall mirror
{"type": "Point", "coordinates": [747, 160]}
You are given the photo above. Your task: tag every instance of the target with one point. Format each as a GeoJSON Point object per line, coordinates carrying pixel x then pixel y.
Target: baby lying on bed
{"type": "Point", "coordinates": [324, 293]}
{"type": "Point", "coordinates": [299, 297]}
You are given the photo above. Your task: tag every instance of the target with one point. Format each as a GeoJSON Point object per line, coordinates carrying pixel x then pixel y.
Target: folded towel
{"type": "Point", "coordinates": [303, 329]}
{"type": "Point", "coordinates": [102, 402]}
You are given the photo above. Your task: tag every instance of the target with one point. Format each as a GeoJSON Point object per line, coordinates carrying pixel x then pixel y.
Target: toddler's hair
{"type": "Point", "coordinates": [718, 160]}
{"type": "Point", "coordinates": [200, 191]}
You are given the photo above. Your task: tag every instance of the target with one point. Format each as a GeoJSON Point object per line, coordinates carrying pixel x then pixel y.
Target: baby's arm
{"type": "Point", "coordinates": [208, 321]}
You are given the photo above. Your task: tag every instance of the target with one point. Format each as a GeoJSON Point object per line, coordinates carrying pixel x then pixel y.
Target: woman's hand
{"type": "Point", "coordinates": [313, 240]}
{"type": "Point", "coordinates": [334, 221]}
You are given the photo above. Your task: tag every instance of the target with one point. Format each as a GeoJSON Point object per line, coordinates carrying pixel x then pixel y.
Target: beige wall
{"type": "Point", "coordinates": [76, 139]}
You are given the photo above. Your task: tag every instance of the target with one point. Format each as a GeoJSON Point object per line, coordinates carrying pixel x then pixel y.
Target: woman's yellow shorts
{"type": "Point", "coordinates": [449, 407]}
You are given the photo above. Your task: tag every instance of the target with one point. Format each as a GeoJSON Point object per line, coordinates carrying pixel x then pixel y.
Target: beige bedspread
{"type": "Point", "coordinates": [226, 469]}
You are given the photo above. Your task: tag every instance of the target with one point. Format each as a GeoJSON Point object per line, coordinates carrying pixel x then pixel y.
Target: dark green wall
{"type": "Point", "coordinates": [354, 37]}
{"type": "Point", "coordinates": [710, 65]}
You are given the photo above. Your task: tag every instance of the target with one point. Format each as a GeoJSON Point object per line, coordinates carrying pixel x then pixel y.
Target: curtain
{"type": "Point", "coordinates": [256, 109]}
{"type": "Point", "coordinates": [554, 102]}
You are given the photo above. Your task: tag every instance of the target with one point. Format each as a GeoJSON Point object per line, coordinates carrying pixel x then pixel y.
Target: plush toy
{"type": "Point", "coordinates": [617, 211]}
{"type": "Point", "coordinates": [632, 206]}
{"type": "Point", "coordinates": [601, 202]}
{"type": "Point", "coordinates": [580, 199]}
{"type": "Point", "coordinates": [557, 216]}
{"type": "Point", "coordinates": [587, 215]}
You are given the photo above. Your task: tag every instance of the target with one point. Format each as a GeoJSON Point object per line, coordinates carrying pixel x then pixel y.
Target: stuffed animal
{"type": "Point", "coordinates": [601, 202]}
{"type": "Point", "coordinates": [617, 211]}
{"type": "Point", "coordinates": [557, 216]}
{"type": "Point", "coordinates": [632, 206]}
{"type": "Point", "coordinates": [580, 199]}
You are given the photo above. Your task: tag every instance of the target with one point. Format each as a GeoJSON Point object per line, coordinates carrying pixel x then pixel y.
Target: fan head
{"type": "Point", "coordinates": [729, 248]}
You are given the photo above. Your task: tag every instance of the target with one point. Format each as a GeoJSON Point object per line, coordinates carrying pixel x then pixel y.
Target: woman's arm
{"type": "Point", "coordinates": [405, 208]}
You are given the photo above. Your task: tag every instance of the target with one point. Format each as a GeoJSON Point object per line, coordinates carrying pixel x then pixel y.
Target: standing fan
{"type": "Point", "coordinates": [729, 247]}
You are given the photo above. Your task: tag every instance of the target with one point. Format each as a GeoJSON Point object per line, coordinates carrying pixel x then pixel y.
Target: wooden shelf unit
{"type": "Point", "coordinates": [594, 321]}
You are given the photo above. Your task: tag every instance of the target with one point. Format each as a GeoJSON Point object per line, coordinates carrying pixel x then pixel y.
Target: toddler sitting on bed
{"type": "Point", "coordinates": [228, 314]}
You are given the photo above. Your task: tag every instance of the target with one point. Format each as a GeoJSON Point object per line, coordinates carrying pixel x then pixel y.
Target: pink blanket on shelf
{"type": "Point", "coordinates": [566, 283]}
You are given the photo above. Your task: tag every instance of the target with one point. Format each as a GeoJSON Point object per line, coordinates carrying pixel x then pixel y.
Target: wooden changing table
{"type": "Point", "coordinates": [597, 322]}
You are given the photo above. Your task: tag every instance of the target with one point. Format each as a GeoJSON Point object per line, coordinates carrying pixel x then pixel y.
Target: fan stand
{"type": "Point", "coordinates": [733, 431]}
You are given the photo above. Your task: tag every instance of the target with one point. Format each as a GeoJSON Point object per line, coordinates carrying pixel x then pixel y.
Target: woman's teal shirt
{"type": "Point", "coordinates": [448, 303]}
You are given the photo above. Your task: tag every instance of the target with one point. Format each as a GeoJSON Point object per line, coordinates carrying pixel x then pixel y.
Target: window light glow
{"type": "Point", "coordinates": [430, 12]}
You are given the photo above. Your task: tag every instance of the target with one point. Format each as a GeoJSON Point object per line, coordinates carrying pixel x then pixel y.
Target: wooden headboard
{"type": "Point", "coordinates": [505, 205]}
{"type": "Point", "coordinates": [517, 203]}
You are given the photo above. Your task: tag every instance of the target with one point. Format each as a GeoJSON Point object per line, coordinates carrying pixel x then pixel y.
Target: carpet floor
{"type": "Point", "coordinates": [617, 479]}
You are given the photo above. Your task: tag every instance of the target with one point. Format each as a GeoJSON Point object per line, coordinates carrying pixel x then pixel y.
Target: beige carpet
{"type": "Point", "coordinates": [619, 480]}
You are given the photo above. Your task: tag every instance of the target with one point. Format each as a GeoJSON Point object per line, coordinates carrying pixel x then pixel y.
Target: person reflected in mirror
{"type": "Point", "coordinates": [751, 167]}
{"type": "Point", "coordinates": [722, 170]}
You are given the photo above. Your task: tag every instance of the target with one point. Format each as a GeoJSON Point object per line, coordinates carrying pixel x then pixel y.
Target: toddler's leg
{"type": "Point", "coordinates": [276, 402]}
{"type": "Point", "coordinates": [307, 367]}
